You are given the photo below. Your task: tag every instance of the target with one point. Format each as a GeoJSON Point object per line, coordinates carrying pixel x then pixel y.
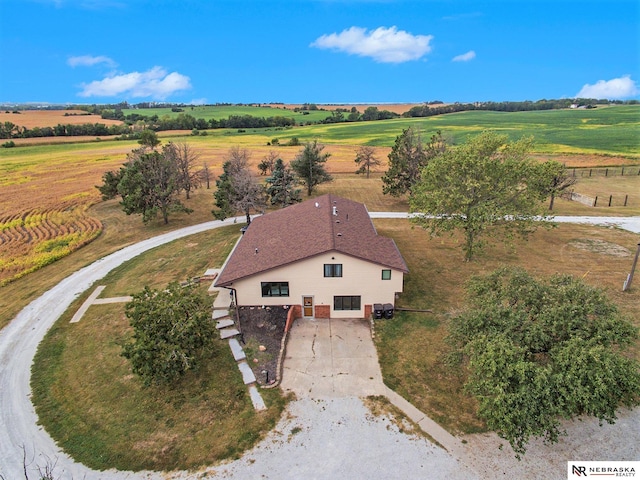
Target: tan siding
{"type": "Point", "coordinates": [306, 277]}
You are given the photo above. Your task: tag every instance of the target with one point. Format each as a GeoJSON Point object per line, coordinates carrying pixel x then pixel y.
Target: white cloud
{"type": "Point", "coordinates": [89, 61]}
{"type": "Point", "coordinates": [155, 83]}
{"type": "Point", "coordinates": [465, 57]}
{"type": "Point", "coordinates": [616, 88]}
{"type": "Point", "coordinates": [198, 101]}
{"type": "Point", "coordinates": [385, 45]}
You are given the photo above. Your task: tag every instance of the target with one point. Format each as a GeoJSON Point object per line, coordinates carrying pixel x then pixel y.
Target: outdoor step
{"type": "Point", "coordinates": [236, 349]}
{"type": "Point", "coordinates": [224, 323]}
{"type": "Point", "coordinates": [256, 398]}
{"type": "Point", "coordinates": [247, 374]}
{"type": "Point", "coordinates": [218, 314]}
{"type": "Point", "coordinates": [228, 333]}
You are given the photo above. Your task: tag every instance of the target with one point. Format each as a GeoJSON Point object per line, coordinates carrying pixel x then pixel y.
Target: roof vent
{"type": "Point", "coordinates": [335, 210]}
{"type": "Point", "coordinates": [317, 205]}
{"type": "Point", "coordinates": [339, 234]}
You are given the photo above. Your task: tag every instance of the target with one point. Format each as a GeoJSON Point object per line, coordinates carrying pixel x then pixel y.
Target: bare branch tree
{"type": "Point", "coordinates": [205, 175]}
{"type": "Point", "coordinates": [268, 163]}
{"type": "Point", "coordinates": [185, 159]}
{"type": "Point", "coordinates": [366, 159]}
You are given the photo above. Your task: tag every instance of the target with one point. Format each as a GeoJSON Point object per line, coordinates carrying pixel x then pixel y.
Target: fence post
{"type": "Point", "coordinates": [626, 197]}
{"type": "Point", "coordinates": [606, 172]}
{"type": "Point", "coordinates": [610, 198]}
{"type": "Point", "coordinates": [590, 172]}
{"type": "Point", "coordinates": [595, 201]}
{"type": "Point", "coordinates": [622, 174]}
{"type": "Point", "coordinates": [627, 284]}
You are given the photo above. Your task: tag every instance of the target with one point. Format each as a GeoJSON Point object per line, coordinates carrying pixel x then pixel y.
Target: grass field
{"type": "Point", "coordinates": [218, 112]}
{"type": "Point", "coordinates": [411, 347]}
{"type": "Point", "coordinates": [206, 418]}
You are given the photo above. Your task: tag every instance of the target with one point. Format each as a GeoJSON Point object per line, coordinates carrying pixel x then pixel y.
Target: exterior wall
{"type": "Point", "coordinates": [323, 311]}
{"type": "Point", "coordinates": [306, 278]}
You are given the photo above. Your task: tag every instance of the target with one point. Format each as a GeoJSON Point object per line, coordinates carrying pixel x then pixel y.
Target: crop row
{"type": "Point", "coordinates": [33, 239]}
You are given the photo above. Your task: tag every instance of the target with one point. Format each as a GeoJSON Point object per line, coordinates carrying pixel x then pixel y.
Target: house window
{"type": "Point", "coordinates": [275, 289]}
{"type": "Point", "coordinates": [332, 269]}
{"type": "Point", "coordinates": [346, 303]}
{"type": "Point", "coordinates": [386, 274]}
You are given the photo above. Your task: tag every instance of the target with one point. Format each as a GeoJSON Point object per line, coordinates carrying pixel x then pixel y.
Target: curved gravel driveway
{"type": "Point", "coordinates": [19, 341]}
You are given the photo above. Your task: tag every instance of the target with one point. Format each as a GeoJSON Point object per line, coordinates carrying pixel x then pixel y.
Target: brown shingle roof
{"type": "Point", "coordinates": [308, 229]}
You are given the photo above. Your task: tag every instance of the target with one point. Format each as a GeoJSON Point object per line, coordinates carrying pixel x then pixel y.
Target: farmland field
{"type": "Point", "coordinates": [46, 190]}
{"type": "Point", "coordinates": [51, 118]}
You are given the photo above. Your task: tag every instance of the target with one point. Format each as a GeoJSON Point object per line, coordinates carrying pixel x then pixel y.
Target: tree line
{"type": "Point", "coordinates": [153, 178]}
{"type": "Point", "coordinates": [186, 121]}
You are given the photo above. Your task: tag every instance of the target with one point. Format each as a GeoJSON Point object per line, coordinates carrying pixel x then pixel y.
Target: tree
{"type": "Point", "coordinates": [555, 179]}
{"type": "Point", "coordinates": [486, 187]}
{"type": "Point", "coordinates": [110, 181]}
{"type": "Point", "coordinates": [407, 158]}
{"type": "Point", "coordinates": [205, 175]}
{"type": "Point", "coordinates": [173, 333]}
{"type": "Point", "coordinates": [150, 183]}
{"type": "Point", "coordinates": [268, 162]}
{"type": "Point", "coordinates": [149, 138]}
{"type": "Point", "coordinates": [309, 166]}
{"type": "Point", "coordinates": [282, 184]}
{"type": "Point", "coordinates": [539, 351]}
{"type": "Point", "coordinates": [185, 159]}
{"type": "Point", "coordinates": [237, 190]}
{"type": "Point", "coordinates": [366, 159]}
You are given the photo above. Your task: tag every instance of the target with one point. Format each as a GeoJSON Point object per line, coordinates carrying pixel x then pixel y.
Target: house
{"type": "Point", "coordinates": [322, 256]}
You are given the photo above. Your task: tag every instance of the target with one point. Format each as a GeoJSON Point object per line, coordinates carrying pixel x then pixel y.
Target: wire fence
{"type": "Point", "coordinates": [605, 172]}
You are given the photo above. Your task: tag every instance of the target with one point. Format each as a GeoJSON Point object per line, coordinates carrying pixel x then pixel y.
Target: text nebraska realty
{"type": "Point", "coordinates": [579, 470]}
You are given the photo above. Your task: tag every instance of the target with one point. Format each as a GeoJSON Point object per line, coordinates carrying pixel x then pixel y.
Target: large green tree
{"type": "Point", "coordinates": [309, 166]}
{"type": "Point", "coordinates": [541, 351]}
{"type": "Point", "coordinates": [172, 333]}
{"type": "Point", "coordinates": [409, 155]}
{"type": "Point", "coordinates": [485, 187]}
{"type": "Point", "coordinates": [150, 184]}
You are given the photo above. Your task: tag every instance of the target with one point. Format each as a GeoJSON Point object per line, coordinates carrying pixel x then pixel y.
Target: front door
{"type": "Point", "coordinates": [307, 306]}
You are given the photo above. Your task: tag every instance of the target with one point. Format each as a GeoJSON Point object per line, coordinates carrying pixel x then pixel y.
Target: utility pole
{"type": "Point", "coordinates": [627, 283]}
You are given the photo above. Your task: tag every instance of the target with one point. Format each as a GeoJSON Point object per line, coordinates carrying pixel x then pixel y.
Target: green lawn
{"type": "Point", "coordinates": [218, 112]}
{"type": "Point", "coordinates": [101, 414]}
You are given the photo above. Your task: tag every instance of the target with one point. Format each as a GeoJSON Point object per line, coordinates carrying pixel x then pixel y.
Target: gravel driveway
{"type": "Point", "coordinates": [321, 438]}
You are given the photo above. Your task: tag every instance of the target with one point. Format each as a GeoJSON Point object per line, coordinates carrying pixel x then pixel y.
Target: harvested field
{"type": "Point", "coordinates": [51, 118]}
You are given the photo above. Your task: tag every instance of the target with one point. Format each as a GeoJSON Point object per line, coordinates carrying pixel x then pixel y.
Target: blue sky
{"type": "Point", "coordinates": [322, 51]}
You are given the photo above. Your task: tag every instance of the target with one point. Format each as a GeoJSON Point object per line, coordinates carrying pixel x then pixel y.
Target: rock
{"type": "Point", "coordinates": [255, 360]}
{"type": "Point", "coordinates": [262, 348]}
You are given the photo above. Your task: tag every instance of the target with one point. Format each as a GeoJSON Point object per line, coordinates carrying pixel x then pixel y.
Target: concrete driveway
{"type": "Point", "coordinates": [331, 358]}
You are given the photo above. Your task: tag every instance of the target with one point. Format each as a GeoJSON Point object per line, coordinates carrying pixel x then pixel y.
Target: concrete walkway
{"type": "Point", "coordinates": [336, 358]}
{"type": "Point", "coordinates": [228, 331]}
{"type": "Point", "coordinates": [94, 300]}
